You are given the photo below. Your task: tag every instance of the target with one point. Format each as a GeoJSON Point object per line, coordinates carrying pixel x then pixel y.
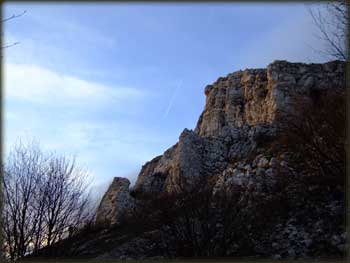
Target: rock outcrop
{"type": "Point", "coordinates": [241, 114]}
{"type": "Point", "coordinates": [116, 203]}
{"type": "Point", "coordinates": [255, 96]}
{"type": "Point", "coordinates": [190, 160]}
{"type": "Point", "coordinates": [241, 111]}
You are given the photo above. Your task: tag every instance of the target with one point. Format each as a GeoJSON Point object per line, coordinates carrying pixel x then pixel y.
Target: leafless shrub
{"type": "Point", "coordinates": [314, 134]}
{"type": "Point", "coordinates": [196, 223]}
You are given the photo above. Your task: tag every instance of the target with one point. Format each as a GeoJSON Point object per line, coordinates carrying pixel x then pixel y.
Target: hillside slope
{"type": "Point", "coordinates": [244, 145]}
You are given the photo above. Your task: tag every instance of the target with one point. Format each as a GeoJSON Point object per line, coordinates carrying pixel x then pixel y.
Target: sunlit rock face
{"type": "Point", "coordinates": [255, 96]}
{"type": "Point", "coordinates": [184, 165]}
{"type": "Point", "coordinates": [242, 110]}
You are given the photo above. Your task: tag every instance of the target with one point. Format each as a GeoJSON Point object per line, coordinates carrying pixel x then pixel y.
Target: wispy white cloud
{"type": "Point", "coordinates": [36, 84]}
{"type": "Point", "coordinates": [66, 114]}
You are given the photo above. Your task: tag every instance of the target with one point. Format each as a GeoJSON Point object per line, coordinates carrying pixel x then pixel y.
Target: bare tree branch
{"type": "Point", "coordinates": [13, 16]}
{"type": "Point", "coordinates": [332, 23]}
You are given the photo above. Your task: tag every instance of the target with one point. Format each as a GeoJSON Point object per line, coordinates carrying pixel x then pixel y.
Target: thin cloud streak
{"type": "Point", "coordinates": [172, 100]}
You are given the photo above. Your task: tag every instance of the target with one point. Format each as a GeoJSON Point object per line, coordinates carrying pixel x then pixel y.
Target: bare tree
{"type": "Point", "coordinates": [14, 16]}
{"type": "Point", "coordinates": [23, 170]}
{"type": "Point", "coordinates": [333, 23]}
{"type": "Point", "coordinates": [65, 200]}
{"type": "Point", "coordinates": [45, 196]}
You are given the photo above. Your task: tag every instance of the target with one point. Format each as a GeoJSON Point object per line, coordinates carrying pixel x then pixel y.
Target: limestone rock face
{"type": "Point", "coordinates": [190, 160]}
{"type": "Point", "coordinates": [116, 203]}
{"type": "Point", "coordinates": [255, 96]}
{"type": "Point", "coordinates": [242, 110]}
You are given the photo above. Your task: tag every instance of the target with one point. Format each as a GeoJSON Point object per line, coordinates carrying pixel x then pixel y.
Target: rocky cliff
{"type": "Point", "coordinates": [242, 111]}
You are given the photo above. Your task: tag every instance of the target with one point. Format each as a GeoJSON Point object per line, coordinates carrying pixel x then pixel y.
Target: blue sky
{"type": "Point", "coordinates": [115, 84]}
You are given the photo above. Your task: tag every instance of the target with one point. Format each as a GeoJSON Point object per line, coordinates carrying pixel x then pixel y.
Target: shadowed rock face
{"type": "Point", "coordinates": [241, 110]}
{"type": "Point", "coordinates": [116, 202]}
